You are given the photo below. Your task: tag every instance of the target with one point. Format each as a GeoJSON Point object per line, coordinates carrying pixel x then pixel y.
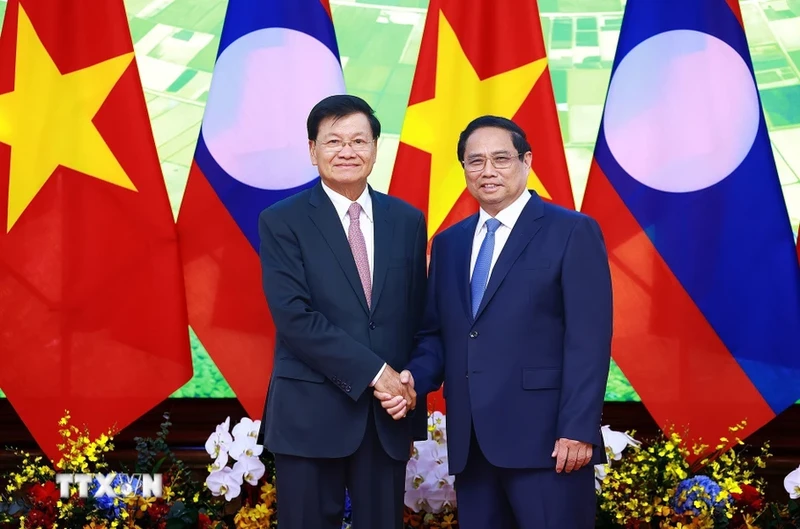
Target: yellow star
{"type": "Point", "coordinates": [47, 120]}
{"type": "Point", "coordinates": [434, 125]}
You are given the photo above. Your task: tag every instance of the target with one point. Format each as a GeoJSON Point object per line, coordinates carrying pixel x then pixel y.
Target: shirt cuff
{"type": "Point", "coordinates": [375, 380]}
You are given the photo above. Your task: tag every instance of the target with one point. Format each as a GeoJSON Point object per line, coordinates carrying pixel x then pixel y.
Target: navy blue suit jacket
{"type": "Point", "coordinates": [532, 366]}
{"type": "Point", "coordinates": [329, 343]}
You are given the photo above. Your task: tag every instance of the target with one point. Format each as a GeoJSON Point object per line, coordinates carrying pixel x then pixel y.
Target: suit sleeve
{"type": "Point", "coordinates": [588, 314]}
{"type": "Point", "coordinates": [427, 361]}
{"type": "Point", "coordinates": [308, 333]}
{"type": "Point", "coordinates": [419, 416]}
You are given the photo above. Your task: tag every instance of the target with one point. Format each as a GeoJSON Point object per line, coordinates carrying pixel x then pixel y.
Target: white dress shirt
{"type": "Point", "coordinates": [342, 204]}
{"type": "Point", "coordinates": [507, 217]}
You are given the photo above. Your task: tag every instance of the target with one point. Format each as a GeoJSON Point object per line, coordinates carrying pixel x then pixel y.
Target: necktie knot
{"type": "Point", "coordinates": [492, 225]}
{"type": "Point", "coordinates": [354, 211]}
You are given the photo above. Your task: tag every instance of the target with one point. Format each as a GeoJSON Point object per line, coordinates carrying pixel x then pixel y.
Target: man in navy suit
{"type": "Point", "coordinates": [518, 325]}
{"type": "Point", "coordinates": [344, 276]}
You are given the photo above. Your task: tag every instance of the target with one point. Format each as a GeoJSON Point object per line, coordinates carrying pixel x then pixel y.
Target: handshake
{"type": "Point", "coordinates": [396, 392]}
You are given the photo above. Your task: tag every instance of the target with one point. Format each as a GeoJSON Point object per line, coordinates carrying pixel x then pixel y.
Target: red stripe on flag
{"type": "Point", "coordinates": [734, 5]}
{"type": "Point", "coordinates": [327, 5]}
{"type": "Point", "coordinates": [221, 265]}
{"type": "Point", "coordinates": [662, 342]}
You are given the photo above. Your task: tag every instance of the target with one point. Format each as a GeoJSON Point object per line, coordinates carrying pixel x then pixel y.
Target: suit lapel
{"type": "Point", "coordinates": [327, 221]}
{"type": "Point", "coordinates": [384, 229]}
{"type": "Point", "coordinates": [525, 228]}
{"type": "Point", "coordinates": [463, 254]}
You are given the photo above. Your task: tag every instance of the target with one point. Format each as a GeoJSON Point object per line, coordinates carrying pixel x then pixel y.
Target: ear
{"type": "Point", "coordinates": [312, 152]}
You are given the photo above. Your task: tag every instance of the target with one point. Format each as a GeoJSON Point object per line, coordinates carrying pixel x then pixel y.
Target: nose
{"type": "Point", "coordinates": [347, 152]}
{"type": "Point", "coordinates": [489, 169]}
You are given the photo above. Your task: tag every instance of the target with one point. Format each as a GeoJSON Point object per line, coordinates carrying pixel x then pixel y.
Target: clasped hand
{"type": "Point", "coordinates": [396, 392]}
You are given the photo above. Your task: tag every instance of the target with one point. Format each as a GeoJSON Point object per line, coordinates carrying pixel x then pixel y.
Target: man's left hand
{"type": "Point", "coordinates": [571, 455]}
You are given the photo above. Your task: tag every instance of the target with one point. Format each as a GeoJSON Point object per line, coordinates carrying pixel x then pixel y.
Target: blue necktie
{"type": "Point", "coordinates": [480, 274]}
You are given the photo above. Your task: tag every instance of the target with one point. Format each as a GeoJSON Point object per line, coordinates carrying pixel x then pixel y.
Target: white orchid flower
{"type": "Point", "coordinates": [250, 468]}
{"type": "Point", "coordinates": [429, 455]}
{"type": "Point", "coordinates": [414, 499]}
{"type": "Point", "coordinates": [437, 427]}
{"type": "Point", "coordinates": [245, 446]}
{"type": "Point", "coordinates": [225, 482]}
{"type": "Point", "coordinates": [792, 483]}
{"type": "Point", "coordinates": [220, 462]}
{"type": "Point", "coordinates": [246, 428]}
{"type": "Point", "coordinates": [440, 491]}
{"type": "Point", "coordinates": [616, 443]}
{"type": "Point", "coordinates": [599, 475]}
{"type": "Point", "coordinates": [220, 440]}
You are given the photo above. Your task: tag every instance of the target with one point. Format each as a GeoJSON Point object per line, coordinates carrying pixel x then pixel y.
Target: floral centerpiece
{"type": "Point", "coordinates": [430, 497]}
{"type": "Point", "coordinates": [246, 486]}
{"type": "Point", "coordinates": [653, 485]}
{"type": "Point", "coordinates": [31, 499]}
{"type": "Point", "coordinates": [646, 484]}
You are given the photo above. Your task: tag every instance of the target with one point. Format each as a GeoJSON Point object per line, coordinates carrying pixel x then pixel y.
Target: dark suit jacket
{"type": "Point", "coordinates": [533, 365]}
{"type": "Point", "coordinates": [329, 345]}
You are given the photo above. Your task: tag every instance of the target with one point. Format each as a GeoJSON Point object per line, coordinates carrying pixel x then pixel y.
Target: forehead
{"type": "Point", "coordinates": [489, 139]}
{"type": "Point", "coordinates": [352, 125]}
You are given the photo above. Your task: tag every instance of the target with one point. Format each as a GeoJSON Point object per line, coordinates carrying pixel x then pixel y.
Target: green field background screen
{"type": "Point", "coordinates": [176, 43]}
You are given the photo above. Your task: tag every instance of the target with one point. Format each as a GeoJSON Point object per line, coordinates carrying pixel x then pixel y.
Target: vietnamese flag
{"type": "Point", "coordinates": [92, 306]}
{"type": "Point", "coordinates": [479, 57]}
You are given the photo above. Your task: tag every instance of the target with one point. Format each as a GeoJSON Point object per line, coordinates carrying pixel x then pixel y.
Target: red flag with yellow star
{"type": "Point", "coordinates": [92, 308]}
{"type": "Point", "coordinates": [479, 57]}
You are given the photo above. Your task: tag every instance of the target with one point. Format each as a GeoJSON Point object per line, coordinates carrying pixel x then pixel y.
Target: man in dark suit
{"type": "Point", "coordinates": [344, 273]}
{"type": "Point", "coordinates": [518, 325]}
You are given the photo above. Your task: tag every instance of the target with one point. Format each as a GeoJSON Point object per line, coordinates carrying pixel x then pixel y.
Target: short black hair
{"type": "Point", "coordinates": [518, 137]}
{"type": "Point", "coordinates": [339, 106]}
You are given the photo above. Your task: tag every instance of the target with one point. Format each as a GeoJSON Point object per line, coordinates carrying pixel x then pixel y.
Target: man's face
{"type": "Point", "coordinates": [494, 188]}
{"type": "Point", "coordinates": [344, 151]}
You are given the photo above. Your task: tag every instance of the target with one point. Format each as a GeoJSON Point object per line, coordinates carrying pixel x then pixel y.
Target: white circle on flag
{"type": "Point", "coordinates": [264, 85]}
{"type": "Point", "coordinates": [682, 111]}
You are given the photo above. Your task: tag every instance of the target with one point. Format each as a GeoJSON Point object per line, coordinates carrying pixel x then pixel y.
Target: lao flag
{"type": "Point", "coordinates": [276, 60]}
{"type": "Point", "coordinates": [684, 185]}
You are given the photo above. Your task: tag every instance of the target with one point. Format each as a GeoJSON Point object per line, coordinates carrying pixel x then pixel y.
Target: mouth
{"type": "Point", "coordinates": [490, 187]}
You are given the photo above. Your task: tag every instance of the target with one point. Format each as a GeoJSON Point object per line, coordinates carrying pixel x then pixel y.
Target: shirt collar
{"type": "Point", "coordinates": [508, 216]}
{"type": "Point", "coordinates": [341, 203]}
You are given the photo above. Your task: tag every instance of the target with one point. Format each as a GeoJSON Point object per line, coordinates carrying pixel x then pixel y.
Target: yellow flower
{"type": "Point", "coordinates": [267, 493]}
{"type": "Point", "coordinates": [167, 492]}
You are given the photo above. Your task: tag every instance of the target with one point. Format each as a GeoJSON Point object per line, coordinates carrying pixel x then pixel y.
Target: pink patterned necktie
{"type": "Point", "coordinates": [359, 248]}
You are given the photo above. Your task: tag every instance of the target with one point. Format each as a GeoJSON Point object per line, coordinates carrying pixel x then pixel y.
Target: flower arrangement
{"type": "Point", "coordinates": [31, 499]}
{"type": "Point", "coordinates": [430, 497]}
{"type": "Point", "coordinates": [653, 485]}
{"type": "Point", "coordinates": [646, 484]}
{"type": "Point", "coordinates": [246, 486]}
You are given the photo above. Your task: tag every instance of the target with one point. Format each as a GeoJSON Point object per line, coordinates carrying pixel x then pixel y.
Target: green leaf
{"type": "Point", "coordinates": [158, 464]}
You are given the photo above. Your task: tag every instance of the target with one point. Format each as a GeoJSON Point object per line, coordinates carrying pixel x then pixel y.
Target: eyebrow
{"type": "Point", "coordinates": [339, 136]}
{"type": "Point", "coordinates": [493, 153]}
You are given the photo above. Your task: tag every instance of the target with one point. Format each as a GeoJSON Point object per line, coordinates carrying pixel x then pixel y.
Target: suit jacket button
{"type": "Point", "coordinates": [347, 388]}
{"type": "Point", "coordinates": [473, 334]}
{"type": "Point", "coordinates": [372, 325]}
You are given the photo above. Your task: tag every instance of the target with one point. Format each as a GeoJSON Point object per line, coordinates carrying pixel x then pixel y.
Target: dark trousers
{"type": "Point", "coordinates": [489, 496]}
{"type": "Point", "coordinates": [311, 492]}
